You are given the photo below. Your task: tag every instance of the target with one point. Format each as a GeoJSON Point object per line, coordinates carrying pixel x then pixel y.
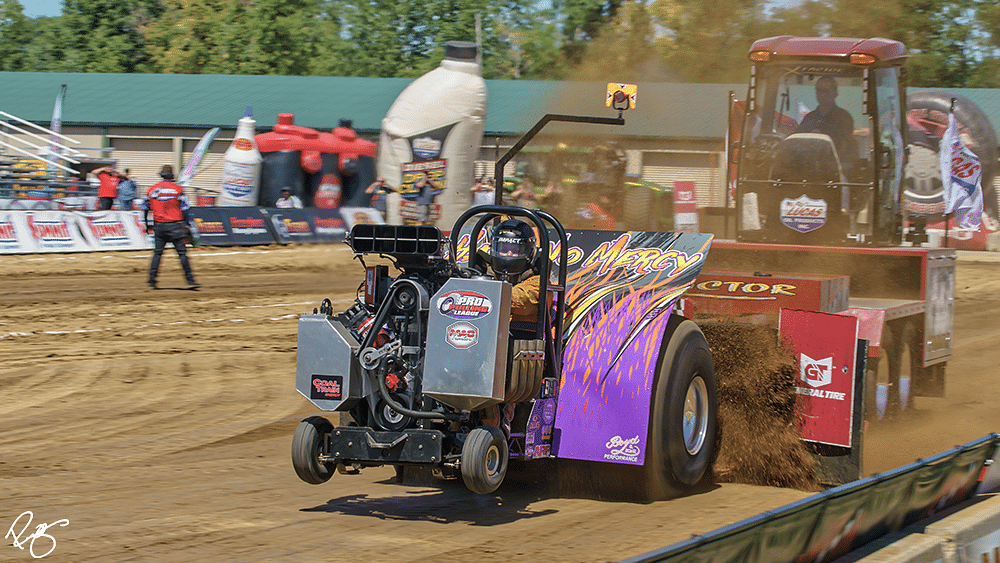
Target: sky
{"type": "Point", "coordinates": [36, 8]}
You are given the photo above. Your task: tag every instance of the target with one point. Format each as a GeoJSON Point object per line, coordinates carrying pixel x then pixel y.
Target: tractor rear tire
{"type": "Point", "coordinates": [683, 433]}
{"type": "Point", "coordinates": [306, 448]}
{"type": "Point", "coordinates": [484, 459]}
{"type": "Point", "coordinates": [930, 108]}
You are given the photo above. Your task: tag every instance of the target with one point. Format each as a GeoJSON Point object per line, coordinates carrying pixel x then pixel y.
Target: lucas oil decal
{"type": "Point", "coordinates": [462, 335]}
{"type": "Point", "coordinates": [803, 214]}
{"type": "Point", "coordinates": [464, 305]}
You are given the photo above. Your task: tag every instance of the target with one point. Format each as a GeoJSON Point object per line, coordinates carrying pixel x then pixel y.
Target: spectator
{"type": "Point", "coordinates": [127, 189]}
{"type": "Point", "coordinates": [552, 198]}
{"type": "Point", "coordinates": [379, 190]}
{"type": "Point", "coordinates": [287, 200]}
{"type": "Point", "coordinates": [525, 195]}
{"type": "Point", "coordinates": [427, 191]}
{"type": "Point", "coordinates": [171, 223]}
{"type": "Point", "coordinates": [107, 191]}
{"type": "Point", "coordinates": [482, 192]}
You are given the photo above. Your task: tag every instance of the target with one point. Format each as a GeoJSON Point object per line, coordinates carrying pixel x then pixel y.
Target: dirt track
{"type": "Point", "coordinates": [159, 423]}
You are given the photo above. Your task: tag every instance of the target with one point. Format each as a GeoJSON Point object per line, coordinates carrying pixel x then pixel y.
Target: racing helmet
{"type": "Point", "coordinates": [512, 247]}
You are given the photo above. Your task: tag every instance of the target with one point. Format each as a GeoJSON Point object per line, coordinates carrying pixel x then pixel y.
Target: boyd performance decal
{"type": "Point", "coordinates": [464, 305]}
{"type": "Point", "coordinates": [803, 214]}
{"type": "Point", "coordinates": [327, 387]}
{"type": "Point", "coordinates": [620, 449]}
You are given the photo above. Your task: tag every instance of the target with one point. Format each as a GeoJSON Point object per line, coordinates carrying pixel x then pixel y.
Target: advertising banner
{"type": "Point", "coordinates": [114, 230]}
{"type": "Point", "coordinates": [307, 225]}
{"type": "Point", "coordinates": [361, 216]}
{"type": "Point", "coordinates": [685, 206]}
{"type": "Point", "coordinates": [40, 231]}
{"type": "Point", "coordinates": [824, 345]}
{"type": "Point", "coordinates": [229, 226]}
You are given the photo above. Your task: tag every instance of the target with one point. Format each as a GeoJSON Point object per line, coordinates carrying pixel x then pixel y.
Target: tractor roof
{"type": "Point", "coordinates": [884, 50]}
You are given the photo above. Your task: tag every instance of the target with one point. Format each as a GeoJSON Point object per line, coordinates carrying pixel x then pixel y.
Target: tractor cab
{"type": "Point", "coordinates": [821, 148]}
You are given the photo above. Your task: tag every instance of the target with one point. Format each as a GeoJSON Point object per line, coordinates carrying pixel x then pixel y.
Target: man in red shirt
{"type": "Point", "coordinates": [108, 189]}
{"type": "Point", "coordinates": [165, 201]}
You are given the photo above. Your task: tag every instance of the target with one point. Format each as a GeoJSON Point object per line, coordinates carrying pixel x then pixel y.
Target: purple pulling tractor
{"type": "Point", "coordinates": [433, 374]}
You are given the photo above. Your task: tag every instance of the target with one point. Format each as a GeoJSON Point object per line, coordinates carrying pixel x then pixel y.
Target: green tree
{"type": "Point", "coordinates": [13, 35]}
{"type": "Point", "coordinates": [102, 36]}
{"type": "Point", "coordinates": [987, 72]}
{"type": "Point", "coordinates": [237, 37]}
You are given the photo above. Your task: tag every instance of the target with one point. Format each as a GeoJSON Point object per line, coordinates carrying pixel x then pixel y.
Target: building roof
{"type": "Point", "coordinates": [671, 110]}
{"type": "Point", "coordinates": [319, 102]}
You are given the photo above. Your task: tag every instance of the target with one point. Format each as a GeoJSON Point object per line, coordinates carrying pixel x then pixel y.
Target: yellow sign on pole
{"type": "Point", "coordinates": [619, 93]}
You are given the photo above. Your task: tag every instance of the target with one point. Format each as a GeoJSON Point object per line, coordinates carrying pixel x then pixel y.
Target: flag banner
{"type": "Point", "coordinates": [961, 174]}
{"type": "Point", "coordinates": [55, 125]}
{"type": "Point", "coordinates": [189, 170]}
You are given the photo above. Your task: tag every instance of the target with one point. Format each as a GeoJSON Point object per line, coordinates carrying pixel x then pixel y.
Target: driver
{"type": "Point", "coordinates": [830, 119]}
{"type": "Point", "coordinates": [513, 258]}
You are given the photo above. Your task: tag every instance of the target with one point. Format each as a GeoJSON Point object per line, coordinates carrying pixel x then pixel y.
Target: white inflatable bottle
{"type": "Point", "coordinates": [436, 126]}
{"type": "Point", "coordinates": [241, 166]}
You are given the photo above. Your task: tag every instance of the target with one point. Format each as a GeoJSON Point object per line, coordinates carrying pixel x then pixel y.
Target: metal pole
{"type": "Point", "coordinates": [502, 161]}
{"type": "Point", "coordinates": [729, 161]}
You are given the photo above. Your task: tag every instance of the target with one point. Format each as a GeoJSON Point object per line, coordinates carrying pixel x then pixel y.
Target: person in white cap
{"type": "Point", "coordinates": [287, 200]}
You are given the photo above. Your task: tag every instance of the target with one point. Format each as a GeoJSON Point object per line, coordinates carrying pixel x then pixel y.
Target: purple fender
{"type": "Point", "coordinates": [622, 288]}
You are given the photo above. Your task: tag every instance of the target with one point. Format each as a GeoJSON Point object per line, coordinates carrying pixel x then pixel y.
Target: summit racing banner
{"type": "Point", "coordinates": [29, 232]}
{"type": "Point", "coordinates": [114, 230]}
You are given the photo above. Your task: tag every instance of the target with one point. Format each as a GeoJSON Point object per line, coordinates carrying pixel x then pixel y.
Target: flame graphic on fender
{"type": "Point", "coordinates": [611, 308]}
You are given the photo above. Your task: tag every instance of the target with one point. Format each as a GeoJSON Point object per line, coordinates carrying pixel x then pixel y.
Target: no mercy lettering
{"type": "Point", "coordinates": [616, 254]}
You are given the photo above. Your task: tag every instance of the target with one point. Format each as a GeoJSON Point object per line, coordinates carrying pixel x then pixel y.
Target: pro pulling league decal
{"type": "Point", "coordinates": [464, 305]}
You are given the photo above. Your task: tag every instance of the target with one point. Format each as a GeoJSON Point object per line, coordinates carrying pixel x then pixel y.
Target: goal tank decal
{"type": "Point", "coordinates": [621, 292]}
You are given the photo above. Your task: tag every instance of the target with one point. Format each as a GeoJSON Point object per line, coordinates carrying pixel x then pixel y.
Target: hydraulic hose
{"type": "Point", "coordinates": [383, 367]}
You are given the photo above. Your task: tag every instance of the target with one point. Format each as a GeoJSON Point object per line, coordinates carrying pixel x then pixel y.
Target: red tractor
{"type": "Point", "coordinates": [824, 223]}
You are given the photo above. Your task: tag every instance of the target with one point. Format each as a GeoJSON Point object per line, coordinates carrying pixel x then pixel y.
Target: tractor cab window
{"type": "Point", "coordinates": [806, 141]}
{"type": "Point", "coordinates": [808, 100]}
{"type": "Point", "coordinates": [889, 138]}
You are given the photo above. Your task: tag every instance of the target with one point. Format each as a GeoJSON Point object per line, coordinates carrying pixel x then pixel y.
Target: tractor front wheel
{"type": "Point", "coordinates": [484, 459]}
{"type": "Point", "coordinates": [306, 448]}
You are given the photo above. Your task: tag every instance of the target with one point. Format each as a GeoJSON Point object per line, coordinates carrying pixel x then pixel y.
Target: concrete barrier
{"type": "Point", "coordinates": [971, 535]}
{"type": "Point", "coordinates": [899, 548]}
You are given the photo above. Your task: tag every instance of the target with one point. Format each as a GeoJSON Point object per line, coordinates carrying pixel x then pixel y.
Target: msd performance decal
{"type": "Point", "coordinates": [464, 305]}
{"type": "Point", "coordinates": [803, 214]}
{"type": "Point", "coordinates": [462, 335]}
{"type": "Point", "coordinates": [327, 387]}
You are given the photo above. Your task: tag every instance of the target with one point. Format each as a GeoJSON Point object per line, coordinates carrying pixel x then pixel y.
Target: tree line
{"type": "Point", "coordinates": [952, 43]}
